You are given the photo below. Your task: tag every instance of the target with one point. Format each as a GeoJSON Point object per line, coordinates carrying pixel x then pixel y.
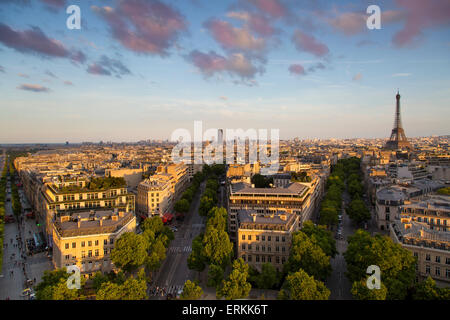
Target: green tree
{"type": "Point", "coordinates": [217, 247]}
{"type": "Point", "coordinates": [397, 265]}
{"type": "Point", "coordinates": [215, 275]}
{"type": "Point", "coordinates": [196, 260]}
{"type": "Point", "coordinates": [427, 290]}
{"type": "Point", "coordinates": [236, 286]}
{"type": "Point", "coordinates": [54, 287]}
{"type": "Point", "coordinates": [130, 251]}
{"type": "Point", "coordinates": [357, 211]}
{"type": "Point", "coordinates": [328, 216]}
{"type": "Point", "coordinates": [217, 218]}
{"type": "Point", "coordinates": [268, 277]}
{"type": "Point", "coordinates": [131, 289]}
{"type": "Point", "coordinates": [206, 204]}
{"type": "Point", "coordinates": [320, 236]}
{"type": "Point", "coordinates": [360, 291]}
{"type": "Point", "coordinates": [301, 286]}
{"type": "Point", "coordinates": [182, 206]}
{"type": "Point", "coordinates": [191, 291]}
{"type": "Point", "coordinates": [307, 255]}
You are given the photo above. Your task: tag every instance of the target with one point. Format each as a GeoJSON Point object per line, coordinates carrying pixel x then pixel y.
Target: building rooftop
{"type": "Point", "coordinates": [292, 189]}
{"type": "Point", "coordinates": [279, 220]}
{"type": "Point", "coordinates": [91, 222]}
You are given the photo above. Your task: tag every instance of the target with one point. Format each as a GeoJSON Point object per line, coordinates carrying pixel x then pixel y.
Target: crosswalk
{"type": "Point", "coordinates": [180, 249]}
{"type": "Point", "coordinates": [163, 291]}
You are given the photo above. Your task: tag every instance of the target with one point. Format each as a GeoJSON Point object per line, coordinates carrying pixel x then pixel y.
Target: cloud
{"type": "Point", "coordinates": [68, 83]}
{"type": "Point", "coordinates": [297, 69]}
{"type": "Point", "coordinates": [144, 26]}
{"type": "Point", "coordinates": [317, 66]}
{"type": "Point", "coordinates": [357, 77]}
{"type": "Point", "coordinates": [33, 88]}
{"type": "Point", "coordinates": [352, 23]}
{"type": "Point", "coordinates": [34, 41]}
{"type": "Point", "coordinates": [274, 8]}
{"type": "Point", "coordinates": [108, 67]}
{"type": "Point", "coordinates": [51, 74]}
{"type": "Point", "coordinates": [420, 15]}
{"type": "Point", "coordinates": [232, 38]}
{"type": "Point", "coordinates": [401, 74]}
{"type": "Point", "coordinates": [236, 64]}
{"type": "Point", "coordinates": [257, 23]}
{"type": "Point", "coordinates": [304, 42]}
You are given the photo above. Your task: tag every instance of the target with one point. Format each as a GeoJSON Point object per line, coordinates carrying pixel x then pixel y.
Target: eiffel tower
{"type": "Point", "coordinates": [398, 138]}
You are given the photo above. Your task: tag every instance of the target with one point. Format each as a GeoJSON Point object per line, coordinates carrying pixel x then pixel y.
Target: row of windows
{"type": "Point", "coordinates": [89, 243]}
{"type": "Point", "coordinates": [89, 255]}
{"type": "Point", "coordinates": [437, 271]}
{"type": "Point", "coordinates": [437, 259]}
{"type": "Point", "coordinates": [71, 197]}
{"type": "Point", "coordinates": [263, 248]}
{"type": "Point", "coordinates": [263, 238]}
{"type": "Point", "coordinates": [263, 259]}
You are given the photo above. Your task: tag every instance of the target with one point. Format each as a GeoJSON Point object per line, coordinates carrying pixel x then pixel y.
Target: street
{"type": "Point", "coordinates": [17, 265]}
{"type": "Point", "coordinates": [174, 271]}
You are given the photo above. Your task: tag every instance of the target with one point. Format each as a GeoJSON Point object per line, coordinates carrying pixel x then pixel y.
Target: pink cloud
{"type": "Point", "coordinates": [273, 8]}
{"type": "Point", "coordinates": [297, 69]}
{"type": "Point", "coordinates": [32, 41]}
{"type": "Point", "coordinates": [420, 15]}
{"type": "Point", "coordinates": [231, 38]}
{"type": "Point", "coordinates": [357, 77]}
{"type": "Point", "coordinates": [307, 43]}
{"type": "Point", "coordinates": [33, 88]}
{"type": "Point", "coordinates": [258, 23]}
{"type": "Point", "coordinates": [211, 63]}
{"type": "Point", "coordinates": [144, 26]}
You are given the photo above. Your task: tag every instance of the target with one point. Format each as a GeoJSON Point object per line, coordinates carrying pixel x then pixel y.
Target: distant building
{"type": "Point", "coordinates": [155, 196]}
{"type": "Point", "coordinates": [86, 238]}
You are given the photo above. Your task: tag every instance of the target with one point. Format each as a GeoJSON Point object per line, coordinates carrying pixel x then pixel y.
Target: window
{"type": "Point", "coordinates": [427, 269]}
{"type": "Point", "coordinates": [257, 258]}
{"type": "Point", "coordinates": [96, 252]}
{"type": "Point", "coordinates": [243, 237]}
{"type": "Point", "coordinates": [111, 241]}
{"type": "Point", "coordinates": [89, 243]}
{"type": "Point", "coordinates": [249, 237]}
{"type": "Point", "coordinates": [269, 259]}
{"type": "Point", "coordinates": [67, 246]}
{"type": "Point", "coordinates": [447, 273]}
{"type": "Point", "coordinates": [438, 259]}
{"type": "Point", "coordinates": [277, 239]}
{"type": "Point", "coordinates": [83, 254]}
{"type": "Point", "coordinates": [438, 271]}
{"type": "Point", "coordinates": [269, 238]}
{"type": "Point", "coordinates": [249, 258]}
{"type": "Point", "coordinates": [283, 249]}
{"type": "Point", "coordinates": [243, 257]}
{"type": "Point", "coordinates": [249, 247]}
{"type": "Point", "coordinates": [83, 244]}
{"type": "Point", "coordinates": [263, 258]}
{"type": "Point", "coordinates": [447, 260]}
{"type": "Point", "coordinates": [283, 260]}
{"type": "Point", "coordinates": [269, 248]}
{"type": "Point", "coordinates": [263, 238]}
{"type": "Point", "coordinates": [257, 248]}
{"type": "Point", "coordinates": [277, 259]}
{"type": "Point", "coordinates": [263, 248]}
{"type": "Point", "coordinates": [428, 257]}
{"type": "Point", "coordinates": [105, 252]}
{"type": "Point", "coordinates": [277, 249]}
{"type": "Point", "coordinates": [283, 239]}
{"type": "Point", "coordinates": [105, 242]}
{"type": "Point", "coordinates": [96, 242]}
{"type": "Point", "coordinates": [416, 254]}
{"type": "Point", "coordinates": [257, 238]}
{"type": "Point", "coordinates": [243, 246]}
{"type": "Point", "coordinates": [74, 245]}
{"type": "Point", "coordinates": [90, 253]}
{"type": "Point", "coordinates": [67, 257]}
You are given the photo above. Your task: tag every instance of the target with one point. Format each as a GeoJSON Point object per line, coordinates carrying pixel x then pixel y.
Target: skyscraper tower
{"type": "Point", "coordinates": [398, 139]}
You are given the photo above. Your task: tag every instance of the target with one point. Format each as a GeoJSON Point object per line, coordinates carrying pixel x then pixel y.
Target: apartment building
{"type": "Point", "coordinates": [87, 238]}
{"type": "Point", "coordinates": [265, 237]}
{"type": "Point", "coordinates": [180, 180]}
{"type": "Point", "coordinates": [72, 196]}
{"type": "Point", "coordinates": [154, 196]}
{"type": "Point", "coordinates": [264, 200]}
{"type": "Point", "coordinates": [430, 247]}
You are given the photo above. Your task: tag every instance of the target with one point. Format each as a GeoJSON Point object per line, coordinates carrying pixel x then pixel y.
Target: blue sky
{"type": "Point", "coordinates": [141, 69]}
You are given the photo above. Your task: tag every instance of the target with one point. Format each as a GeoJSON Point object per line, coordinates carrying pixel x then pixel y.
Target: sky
{"type": "Point", "coordinates": [140, 69]}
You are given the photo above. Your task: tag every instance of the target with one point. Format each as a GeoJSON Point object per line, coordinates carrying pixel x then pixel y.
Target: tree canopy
{"type": "Point", "coordinates": [301, 286]}
{"type": "Point", "coordinates": [191, 291]}
{"type": "Point", "coordinates": [236, 286]}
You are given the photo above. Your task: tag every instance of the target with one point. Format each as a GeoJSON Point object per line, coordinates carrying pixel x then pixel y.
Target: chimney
{"type": "Point", "coordinates": [253, 217]}
{"type": "Point", "coordinates": [79, 222]}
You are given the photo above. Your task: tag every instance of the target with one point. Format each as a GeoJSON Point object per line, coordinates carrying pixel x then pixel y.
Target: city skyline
{"type": "Point", "coordinates": [312, 70]}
